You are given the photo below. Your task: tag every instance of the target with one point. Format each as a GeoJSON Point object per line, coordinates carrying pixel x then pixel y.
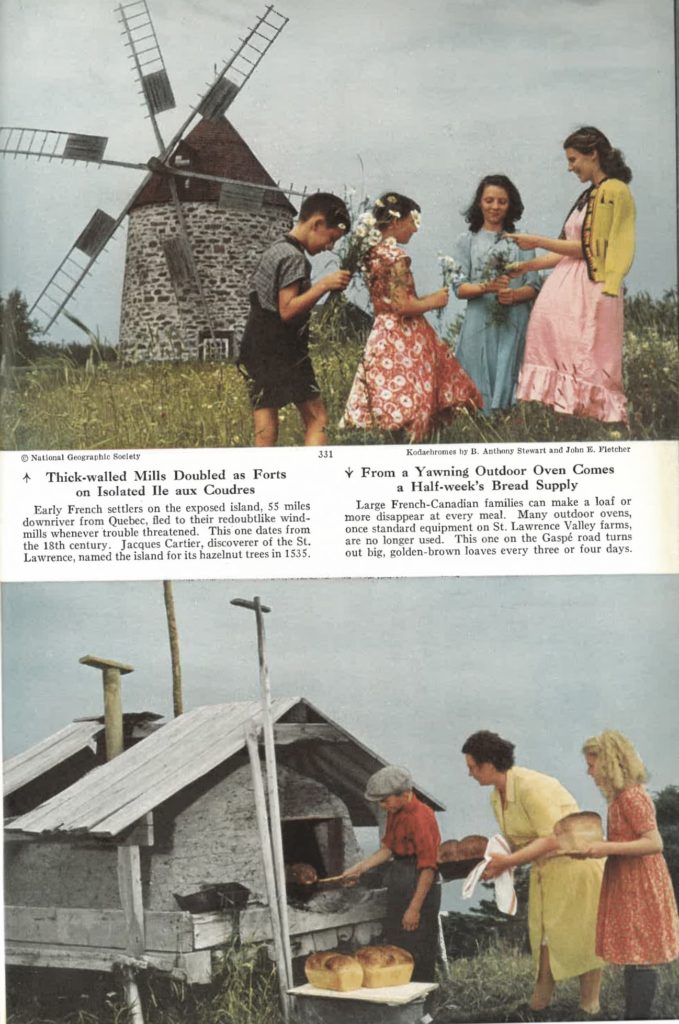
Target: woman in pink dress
{"type": "Point", "coordinates": [637, 923]}
{"type": "Point", "coordinates": [408, 379]}
{"type": "Point", "coordinates": [573, 355]}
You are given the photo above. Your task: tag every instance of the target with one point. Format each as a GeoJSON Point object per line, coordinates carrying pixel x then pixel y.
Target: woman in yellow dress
{"type": "Point", "coordinates": [563, 894]}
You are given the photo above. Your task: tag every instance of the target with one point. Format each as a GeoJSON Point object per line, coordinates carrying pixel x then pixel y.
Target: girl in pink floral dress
{"type": "Point", "coordinates": [408, 378]}
{"type": "Point", "coordinates": [637, 924]}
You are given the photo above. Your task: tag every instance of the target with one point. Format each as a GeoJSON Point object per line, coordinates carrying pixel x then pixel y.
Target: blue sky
{"type": "Point", "coordinates": [424, 98]}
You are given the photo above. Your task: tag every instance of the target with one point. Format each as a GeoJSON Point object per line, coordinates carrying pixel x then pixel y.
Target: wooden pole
{"type": "Point", "coordinates": [129, 861]}
{"type": "Point", "coordinates": [271, 779]}
{"type": "Point", "coordinates": [267, 858]}
{"type": "Point", "coordinates": [113, 704]}
{"type": "Point", "coordinates": [173, 633]}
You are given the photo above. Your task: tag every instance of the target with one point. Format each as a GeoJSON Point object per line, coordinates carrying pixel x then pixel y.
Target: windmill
{"type": "Point", "coordinates": [204, 211]}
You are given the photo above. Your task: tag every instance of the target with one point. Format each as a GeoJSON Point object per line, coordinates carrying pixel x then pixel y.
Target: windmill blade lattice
{"type": "Point", "coordinates": [75, 266]}
{"type": "Point", "coordinates": [241, 65]}
{"type": "Point", "coordinates": [50, 145]}
{"type": "Point", "coordinates": [147, 60]}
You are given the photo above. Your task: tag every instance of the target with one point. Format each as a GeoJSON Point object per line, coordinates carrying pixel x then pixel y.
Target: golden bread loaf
{"type": "Point", "coordinates": [467, 848]}
{"type": "Point", "coordinates": [577, 831]}
{"type": "Point", "coordinates": [334, 971]}
{"type": "Point", "coordinates": [384, 966]}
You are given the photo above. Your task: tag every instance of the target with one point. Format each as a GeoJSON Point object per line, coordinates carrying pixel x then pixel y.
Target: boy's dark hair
{"type": "Point", "coordinates": [474, 215]}
{"type": "Point", "coordinates": [485, 746]}
{"type": "Point", "coordinates": [392, 205]}
{"type": "Point", "coordinates": [329, 206]}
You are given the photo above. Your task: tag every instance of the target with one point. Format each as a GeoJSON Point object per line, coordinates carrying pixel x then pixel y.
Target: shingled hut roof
{"type": "Point", "coordinates": [113, 796]}
{"type": "Point", "coordinates": [213, 147]}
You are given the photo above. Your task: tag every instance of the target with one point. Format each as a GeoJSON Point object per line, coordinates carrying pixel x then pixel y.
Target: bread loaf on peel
{"type": "Point", "coordinates": [334, 971]}
{"type": "Point", "coordinates": [384, 966]}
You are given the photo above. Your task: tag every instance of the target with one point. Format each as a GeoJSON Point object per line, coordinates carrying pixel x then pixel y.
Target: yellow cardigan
{"type": "Point", "coordinates": [608, 234]}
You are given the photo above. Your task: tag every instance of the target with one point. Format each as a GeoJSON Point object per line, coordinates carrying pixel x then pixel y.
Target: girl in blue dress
{"type": "Point", "coordinates": [490, 347]}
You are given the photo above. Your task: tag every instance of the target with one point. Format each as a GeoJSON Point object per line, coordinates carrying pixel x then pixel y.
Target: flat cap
{"type": "Point", "coordinates": [387, 781]}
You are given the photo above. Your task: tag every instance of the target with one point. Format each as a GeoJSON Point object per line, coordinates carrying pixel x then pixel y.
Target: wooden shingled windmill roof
{"type": "Point", "coordinates": [112, 797]}
{"type": "Point", "coordinates": [213, 147]}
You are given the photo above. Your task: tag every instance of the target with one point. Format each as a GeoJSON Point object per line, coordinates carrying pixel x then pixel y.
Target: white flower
{"type": "Point", "coordinates": [417, 217]}
{"type": "Point", "coordinates": [395, 214]}
{"type": "Point", "coordinates": [360, 231]}
{"type": "Point", "coordinates": [374, 237]}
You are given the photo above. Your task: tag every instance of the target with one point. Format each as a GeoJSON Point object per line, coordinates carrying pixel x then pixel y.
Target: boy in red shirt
{"type": "Point", "coordinates": [410, 847]}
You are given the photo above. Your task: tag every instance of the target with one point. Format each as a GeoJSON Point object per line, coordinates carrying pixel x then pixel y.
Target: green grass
{"type": "Point", "coordinates": [54, 404]}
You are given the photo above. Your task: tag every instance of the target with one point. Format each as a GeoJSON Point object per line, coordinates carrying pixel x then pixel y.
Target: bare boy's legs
{"type": "Point", "coordinates": [266, 427]}
{"type": "Point", "coordinates": [315, 420]}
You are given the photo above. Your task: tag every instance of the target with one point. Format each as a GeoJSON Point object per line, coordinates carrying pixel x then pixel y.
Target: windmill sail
{"type": "Point", "coordinates": [142, 42]}
{"type": "Point", "coordinates": [240, 66]}
{"type": "Point", "coordinates": [147, 60]}
{"type": "Point", "coordinates": [73, 268]}
{"type": "Point", "coordinates": [49, 145]}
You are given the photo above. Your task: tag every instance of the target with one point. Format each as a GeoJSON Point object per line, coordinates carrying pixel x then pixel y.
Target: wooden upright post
{"type": "Point", "coordinates": [113, 704]}
{"type": "Point", "coordinates": [129, 860]}
{"type": "Point", "coordinates": [271, 779]}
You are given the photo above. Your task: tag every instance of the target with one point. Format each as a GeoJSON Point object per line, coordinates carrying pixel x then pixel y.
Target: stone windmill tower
{"type": "Point", "coordinates": [198, 221]}
{"type": "Point", "coordinates": [168, 311]}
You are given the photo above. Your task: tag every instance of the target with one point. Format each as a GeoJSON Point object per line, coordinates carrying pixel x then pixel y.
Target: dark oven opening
{"type": "Point", "coordinates": [315, 841]}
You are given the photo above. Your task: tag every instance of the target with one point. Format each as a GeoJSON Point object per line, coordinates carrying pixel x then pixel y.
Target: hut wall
{"type": "Point", "coordinates": [44, 874]}
{"type": "Point", "coordinates": [215, 839]}
{"type": "Point", "coordinates": [162, 321]}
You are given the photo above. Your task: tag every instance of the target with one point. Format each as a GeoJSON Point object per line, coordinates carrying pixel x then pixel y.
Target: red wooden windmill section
{"type": "Point", "coordinates": [213, 147]}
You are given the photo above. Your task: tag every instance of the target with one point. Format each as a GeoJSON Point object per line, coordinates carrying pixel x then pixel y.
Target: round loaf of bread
{"type": "Point", "coordinates": [301, 874]}
{"type": "Point", "coordinates": [334, 971]}
{"type": "Point", "coordinates": [472, 847]}
{"type": "Point", "coordinates": [467, 848]}
{"type": "Point", "coordinates": [577, 831]}
{"type": "Point", "coordinates": [385, 966]}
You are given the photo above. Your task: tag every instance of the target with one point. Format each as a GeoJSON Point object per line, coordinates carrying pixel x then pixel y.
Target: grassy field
{"type": "Point", "coordinates": [53, 404]}
{"type": "Point", "coordinates": [488, 987]}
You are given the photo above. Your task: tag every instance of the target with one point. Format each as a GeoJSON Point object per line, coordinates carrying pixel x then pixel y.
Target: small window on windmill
{"type": "Point", "coordinates": [218, 99]}
{"type": "Point", "coordinates": [216, 346]}
{"type": "Point", "coordinates": [236, 196]}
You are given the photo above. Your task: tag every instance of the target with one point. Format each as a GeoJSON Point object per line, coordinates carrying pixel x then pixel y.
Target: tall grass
{"type": "Point", "coordinates": [55, 404]}
{"type": "Point", "coordinates": [243, 991]}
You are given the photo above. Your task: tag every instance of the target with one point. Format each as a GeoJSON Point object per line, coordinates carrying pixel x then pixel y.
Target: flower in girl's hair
{"type": "Point", "coordinates": [417, 217]}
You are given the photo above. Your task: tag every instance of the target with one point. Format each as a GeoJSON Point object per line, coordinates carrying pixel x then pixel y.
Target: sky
{"type": "Point", "coordinates": [423, 98]}
{"type": "Point", "coordinates": [409, 667]}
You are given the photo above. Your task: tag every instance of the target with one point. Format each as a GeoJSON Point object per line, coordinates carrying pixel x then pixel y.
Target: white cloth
{"type": "Point", "coordinates": [505, 897]}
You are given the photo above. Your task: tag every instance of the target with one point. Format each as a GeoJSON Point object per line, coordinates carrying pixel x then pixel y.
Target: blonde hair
{"type": "Point", "coordinates": [618, 764]}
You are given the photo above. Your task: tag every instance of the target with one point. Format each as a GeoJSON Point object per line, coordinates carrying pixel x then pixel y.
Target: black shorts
{"type": "Point", "coordinates": [275, 361]}
{"type": "Point", "coordinates": [273, 383]}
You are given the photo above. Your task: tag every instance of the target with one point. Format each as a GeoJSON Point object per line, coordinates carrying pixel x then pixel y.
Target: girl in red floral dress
{"type": "Point", "coordinates": [637, 923]}
{"type": "Point", "coordinates": [408, 378]}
